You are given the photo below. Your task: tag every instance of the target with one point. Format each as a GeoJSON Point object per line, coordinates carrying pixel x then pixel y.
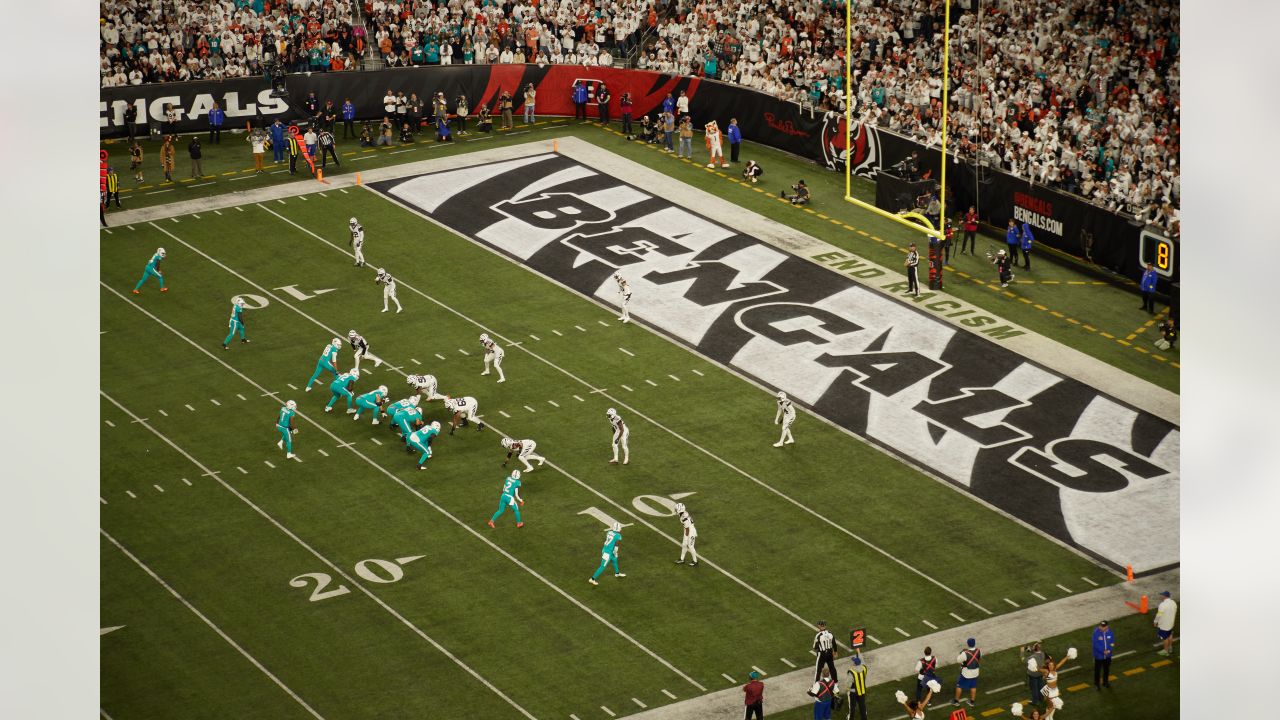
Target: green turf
{"type": "Point", "coordinates": [526, 620]}
{"type": "Point", "coordinates": [1059, 298]}
{"type": "Point", "coordinates": [1140, 690]}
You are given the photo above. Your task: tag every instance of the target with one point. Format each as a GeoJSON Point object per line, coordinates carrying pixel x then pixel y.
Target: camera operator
{"type": "Point", "coordinates": [1004, 265]}
{"type": "Point", "coordinates": [801, 196]}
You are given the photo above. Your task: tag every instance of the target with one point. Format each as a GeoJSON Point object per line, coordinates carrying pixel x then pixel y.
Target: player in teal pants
{"type": "Point", "coordinates": [152, 270]}
{"type": "Point", "coordinates": [609, 554]}
{"type": "Point", "coordinates": [341, 387]}
{"type": "Point", "coordinates": [510, 498]}
{"type": "Point", "coordinates": [371, 400]}
{"type": "Point", "coordinates": [407, 421]}
{"type": "Point", "coordinates": [235, 323]}
{"type": "Point", "coordinates": [284, 426]}
{"type": "Point", "coordinates": [420, 440]}
{"type": "Point", "coordinates": [328, 361]}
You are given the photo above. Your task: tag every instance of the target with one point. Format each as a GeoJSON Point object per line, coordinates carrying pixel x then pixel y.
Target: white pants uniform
{"type": "Point", "coordinates": [626, 313]}
{"type": "Point", "coordinates": [389, 293]}
{"type": "Point", "coordinates": [363, 352]}
{"type": "Point", "coordinates": [620, 436]}
{"type": "Point", "coordinates": [687, 546]}
{"type": "Point", "coordinates": [359, 253]}
{"type": "Point", "coordinates": [467, 407]}
{"type": "Point", "coordinates": [495, 356]}
{"type": "Point", "coordinates": [428, 392]}
{"type": "Point", "coordinates": [527, 453]}
{"type": "Point", "coordinates": [787, 414]}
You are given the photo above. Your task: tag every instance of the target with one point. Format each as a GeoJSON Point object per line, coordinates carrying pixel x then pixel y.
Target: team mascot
{"type": "Point", "coordinates": [714, 145]}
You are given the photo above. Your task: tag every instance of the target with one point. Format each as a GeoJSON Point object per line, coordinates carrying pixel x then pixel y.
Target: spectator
{"type": "Point", "coordinates": [969, 660]}
{"type": "Point", "coordinates": [682, 105]}
{"type": "Point", "coordinates": [1147, 285]}
{"type": "Point", "coordinates": [462, 111]}
{"type": "Point", "coordinates": [328, 148]}
{"type": "Point", "coordinates": [257, 143]}
{"type": "Point", "coordinates": [505, 106]}
{"type": "Point", "coordinates": [167, 157]}
{"type": "Point", "coordinates": [752, 171]}
{"type": "Point", "coordinates": [625, 106]}
{"type": "Point", "coordinates": [415, 110]}
{"type": "Point", "coordinates": [801, 196]}
{"type": "Point", "coordinates": [311, 106]}
{"type": "Point", "coordinates": [602, 103]}
{"type": "Point", "coordinates": [385, 130]}
{"type": "Point", "coordinates": [278, 146]}
{"type": "Point", "coordinates": [216, 118]}
{"type": "Point", "coordinates": [686, 138]}
{"type": "Point", "coordinates": [389, 103]}
{"type": "Point", "coordinates": [348, 119]}
{"type": "Point", "coordinates": [669, 104]}
{"type": "Point", "coordinates": [735, 139]}
{"type": "Point", "coordinates": [753, 693]}
{"type": "Point", "coordinates": [1025, 240]}
{"type": "Point", "coordinates": [1033, 656]}
{"type": "Point", "coordinates": [668, 129]}
{"type": "Point", "coordinates": [402, 108]}
{"type": "Point", "coordinates": [135, 160]}
{"type": "Point", "coordinates": [1104, 643]}
{"type": "Point", "coordinates": [1168, 335]}
{"type": "Point", "coordinates": [530, 95]}
{"type": "Point", "coordinates": [579, 97]}
{"type": "Point", "coordinates": [193, 149]}
{"type": "Point", "coordinates": [1166, 615]}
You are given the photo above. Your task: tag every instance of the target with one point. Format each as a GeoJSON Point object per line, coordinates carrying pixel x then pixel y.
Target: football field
{"type": "Point", "coordinates": [347, 583]}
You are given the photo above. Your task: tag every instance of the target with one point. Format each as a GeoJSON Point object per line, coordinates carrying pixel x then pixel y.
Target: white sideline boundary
{"type": "Point", "coordinates": [197, 613]}
{"type": "Point", "coordinates": [603, 621]}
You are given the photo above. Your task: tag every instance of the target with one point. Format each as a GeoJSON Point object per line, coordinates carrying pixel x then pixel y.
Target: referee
{"type": "Point", "coordinates": [858, 689]}
{"type": "Point", "coordinates": [913, 263]}
{"type": "Point", "coordinates": [824, 644]}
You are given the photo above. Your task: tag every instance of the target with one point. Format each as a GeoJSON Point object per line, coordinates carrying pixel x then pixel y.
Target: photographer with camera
{"type": "Point", "coordinates": [801, 196]}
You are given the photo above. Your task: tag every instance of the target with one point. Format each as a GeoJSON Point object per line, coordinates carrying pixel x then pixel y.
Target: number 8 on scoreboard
{"type": "Point", "coordinates": [1158, 250]}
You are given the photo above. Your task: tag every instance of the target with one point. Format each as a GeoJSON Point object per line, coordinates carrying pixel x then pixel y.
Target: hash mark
{"type": "Point", "coordinates": [1012, 602]}
{"type": "Point", "coordinates": [627, 351]}
{"type": "Point", "coordinates": [215, 402]}
{"type": "Point", "coordinates": [554, 403]}
{"type": "Point", "coordinates": [322, 452]}
{"type": "Point", "coordinates": [957, 617]}
{"type": "Point", "coordinates": [1089, 581]}
{"type": "Point", "coordinates": [237, 208]}
{"type": "Point", "coordinates": [157, 487]}
{"type": "Point", "coordinates": [726, 677]}
{"type": "Point", "coordinates": [190, 408]}
{"type": "Point", "coordinates": [292, 386]}
{"type": "Point", "coordinates": [535, 337]}
{"type": "Point", "coordinates": [637, 701]}
{"type": "Point", "coordinates": [673, 377]}
{"type": "Point", "coordinates": [699, 374]}
{"type": "Point", "coordinates": [163, 413]}
{"type": "Point", "coordinates": [611, 713]}
{"type": "Point", "coordinates": [415, 361]}
{"type": "Point", "coordinates": [526, 407]}
{"type": "Point", "coordinates": [280, 201]}
{"type": "Point", "coordinates": [188, 482]}
{"type": "Point", "coordinates": [757, 669]}
{"type": "Point", "coordinates": [268, 464]}
{"type": "Point", "coordinates": [904, 632]}
{"type": "Point", "coordinates": [130, 494]}
{"type": "Point", "coordinates": [603, 323]}
{"type": "Point", "coordinates": [931, 625]}
{"type": "Point", "coordinates": [787, 662]}
{"type": "Point", "coordinates": [557, 332]}
{"type": "Point", "coordinates": [624, 387]}
{"type": "Point", "coordinates": [376, 441]}
{"type": "Point", "coordinates": [651, 382]}
{"type": "Point", "coordinates": [580, 328]}
{"type": "Point", "coordinates": [1064, 587]}
{"type": "Point", "coordinates": [1033, 592]}
{"type": "Point", "coordinates": [439, 356]}
{"type": "Point", "coordinates": [241, 396]}
{"type": "Point", "coordinates": [503, 414]}
{"type": "Point", "coordinates": [464, 352]}
{"type": "Point", "coordinates": [242, 470]}
{"type": "Point", "coordinates": [668, 694]}
{"type": "Point", "coordinates": [575, 397]}
{"type": "Point", "coordinates": [109, 423]}
{"type": "Point", "coordinates": [101, 500]}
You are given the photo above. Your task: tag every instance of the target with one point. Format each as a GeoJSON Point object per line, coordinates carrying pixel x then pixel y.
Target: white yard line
{"type": "Point", "coordinates": [931, 625]}
{"type": "Point", "coordinates": [1064, 588]}
{"type": "Point", "coordinates": [1033, 592]}
{"type": "Point", "coordinates": [788, 663]}
{"type": "Point", "coordinates": [957, 617]}
{"type": "Point", "coordinates": [668, 693]}
{"type": "Point", "coordinates": [627, 351]}
{"type": "Point", "coordinates": [1012, 602]}
{"type": "Point", "coordinates": [207, 621]}
{"type": "Point", "coordinates": [1089, 581]}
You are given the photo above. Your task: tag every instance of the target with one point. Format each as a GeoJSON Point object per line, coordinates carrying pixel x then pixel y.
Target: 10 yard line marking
{"type": "Point", "coordinates": [209, 622]}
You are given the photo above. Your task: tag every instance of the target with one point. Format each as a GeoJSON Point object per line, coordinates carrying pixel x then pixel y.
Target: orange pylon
{"type": "Point", "coordinates": [1128, 573]}
{"type": "Point", "coordinates": [555, 146]}
{"type": "Point", "coordinates": [357, 178]}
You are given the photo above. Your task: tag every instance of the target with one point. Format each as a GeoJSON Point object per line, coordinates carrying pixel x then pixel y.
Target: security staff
{"type": "Point", "coordinates": [1012, 238]}
{"type": "Point", "coordinates": [113, 187]}
{"type": "Point", "coordinates": [295, 149]}
{"type": "Point", "coordinates": [858, 689]}
{"type": "Point", "coordinates": [348, 119]}
{"type": "Point", "coordinates": [913, 263]}
{"type": "Point", "coordinates": [1148, 287]}
{"type": "Point", "coordinates": [1025, 240]}
{"type": "Point", "coordinates": [824, 644]}
{"type": "Point", "coordinates": [216, 118]}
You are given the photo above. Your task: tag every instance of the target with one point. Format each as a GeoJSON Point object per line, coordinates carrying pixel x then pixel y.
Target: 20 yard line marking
{"type": "Point", "coordinates": [391, 476]}
{"type": "Point", "coordinates": [210, 623]}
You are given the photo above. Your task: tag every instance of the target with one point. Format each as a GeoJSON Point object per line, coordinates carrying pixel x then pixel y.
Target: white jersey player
{"type": "Point", "coordinates": [492, 354]}
{"type": "Point", "coordinates": [388, 284]}
{"type": "Point", "coordinates": [786, 415]}
{"type": "Point", "coordinates": [360, 348]}
{"type": "Point", "coordinates": [357, 241]}
{"type": "Point", "coordinates": [464, 410]}
{"type": "Point", "coordinates": [524, 452]}
{"type": "Point", "coordinates": [624, 292]}
{"type": "Point", "coordinates": [690, 535]}
{"type": "Point", "coordinates": [620, 435]}
{"type": "Point", "coordinates": [425, 385]}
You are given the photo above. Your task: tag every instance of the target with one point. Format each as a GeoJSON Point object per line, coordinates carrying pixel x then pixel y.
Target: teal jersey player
{"type": "Point", "coordinates": [609, 553]}
{"type": "Point", "coordinates": [406, 421]}
{"type": "Point", "coordinates": [235, 323]}
{"type": "Point", "coordinates": [341, 388]}
{"type": "Point", "coordinates": [371, 400]}
{"type": "Point", "coordinates": [510, 498]}
{"type": "Point", "coordinates": [152, 270]}
{"type": "Point", "coordinates": [394, 409]}
{"type": "Point", "coordinates": [284, 426]}
{"type": "Point", "coordinates": [420, 440]}
{"type": "Point", "coordinates": [328, 361]}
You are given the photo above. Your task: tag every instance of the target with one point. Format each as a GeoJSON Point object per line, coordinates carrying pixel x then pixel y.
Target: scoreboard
{"type": "Point", "coordinates": [1160, 251]}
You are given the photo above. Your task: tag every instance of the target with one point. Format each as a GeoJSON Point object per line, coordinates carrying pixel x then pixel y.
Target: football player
{"type": "Point", "coordinates": [360, 347]}
{"type": "Point", "coordinates": [341, 387]}
{"type": "Point", "coordinates": [371, 400]}
{"type": "Point", "coordinates": [424, 385]}
{"type": "Point", "coordinates": [420, 440]}
{"type": "Point", "coordinates": [357, 241]}
{"type": "Point", "coordinates": [152, 270]}
{"type": "Point", "coordinates": [492, 354]}
{"type": "Point", "coordinates": [690, 535]}
{"type": "Point", "coordinates": [786, 415]}
{"type": "Point", "coordinates": [524, 452]}
{"type": "Point", "coordinates": [235, 323]}
{"type": "Point", "coordinates": [510, 498]}
{"type": "Point", "coordinates": [284, 426]}
{"type": "Point", "coordinates": [624, 291]}
{"type": "Point", "coordinates": [388, 284]}
{"type": "Point", "coordinates": [399, 406]}
{"type": "Point", "coordinates": [407, 421]}
{"type": "Point", "coordinates": [464, 409]}
{"type": "Point", "coordinates": [328, 361]}
{"type": "Point", "coordinates": [609, 553]}
{"type": "Point", "coordinates": [620, 435]}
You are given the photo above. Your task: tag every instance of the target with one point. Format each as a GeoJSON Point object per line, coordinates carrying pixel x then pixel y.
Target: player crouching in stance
{"type": "Point", "coordinates": [357, 241]}
{"type": "Point", "coordinates": [328, 361]}
{"type": "Point", "coordinates": [524, 452]}
{"type": "Point", "coordinates": [492, 354]}
{"type": "Point", "coordinates": [341, 387]}
{"type": "Point", "coordinates": [510, 499]}
{"type": "Point", "coordinates": [152, 270]}
{"type": "Point", "coordinates": [235, 323]}
{"type": "Point", "coordinates": [620, 435]}
{"type": "Point", "coordinates": [284, 426]}
{"type": "Point", "coordinates": [786, 415]}
{"type": "Point", "coordinates": [407, 420]}
{"type": "Point", "coordinates": [624, 293]}
{"type": "Point", "coordinates": [420, 440]}
{"type": "Point", "coordinates": [388, 284]}
{"type": "Point", "coordinates": [464, 410]}
{"type": "Point", "coordinates": [609, 553]}
{"type": "Point", "coordinates": [360, 347]}
{"type": "Point", "coordinates": [424, 385]}
{"type": "Point", "coordinates": [371, 400]}
{"type": "Point", "coordinates": [690, 535]}
{"type": "Point", "coordinates": [394, 410]}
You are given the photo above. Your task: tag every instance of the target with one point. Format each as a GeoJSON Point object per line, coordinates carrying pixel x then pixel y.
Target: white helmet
{"type": "Point", "coordinates": [515, 474]}
{"type": "Point", "coordinates": [610, 412]}
{"type": "Point", "coordinates": [291, 405]}
{"type": "Point", "coordinates": [351, 333]}
{"type": "Point", "coordinates": [506, 443]}
{"type": "Point", "coordinates": [484, 337]}
{"type": "Point", "coordinates": [355, 373]}
{"type": "Point", "coordinates": [414, 401]}
{"type": "Point", "coordinates": [617, 526]}
{"type": "Point", "coordinates": [160, 252]}
{"type": "Point", "coordinates": [436, 424]}
{"type": "Point", "coordinates": [679, 508]}
{"type": "Point", "coordinates": [382, 389]}
{"type": "Point", "coordinates": [336, 342]}
{"type": "Point", "coordinates": [354, 222]}
{"type": "Point", "coordinates": [239, 302]}
{"type": "Point", "coordinates": [782, 396]}
{"type": "Point", "coordinates": [1001, 252]}
{"type": "Point", "coordinates": [381, 271]}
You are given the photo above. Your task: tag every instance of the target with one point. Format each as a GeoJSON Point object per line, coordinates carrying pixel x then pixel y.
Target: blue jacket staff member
{"type": "Point", "coordinates": [1025, 240]}
{"type": "Point", "coordinates": [1148, 287]}
{"type": "Point", "coordinates": [278, 145]}
{"type": "Point", "coordinates": [348, 119]}
{"type": "Point", "coordinates": [1104, 644]}
{"type": "Point", "coordinates": [579, 98]}
{"type": "Point", "coordinates": [1013, 238]}
{"type": "Point", "coordinates": [735, 139]}
{"type": "Point", "coordinates": [216, 118]}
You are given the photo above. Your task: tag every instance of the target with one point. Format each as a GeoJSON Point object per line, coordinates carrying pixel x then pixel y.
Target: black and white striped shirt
{"type": "Point", "coordinates": [824, 641]}
{"type": "Point", "coordinates": [913, 259]}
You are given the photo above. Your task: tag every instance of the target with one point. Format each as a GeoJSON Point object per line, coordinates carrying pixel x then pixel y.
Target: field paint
{"type": "Point", "coordinates": [1012, 602]}
{"type": "Point", "coordinates": [931, 625]}
{"type": "Point", "coordinates": [668, 693]}
{"type": "Point", "coordinates": [957, 617]}
{"type": "Point", "coordinates": [268, 464]}
{"type": "Point", "coordinates": [627, 351]}
{"type": "Point", "coordinates": [753, 667]}
{"type": "Point", "coordinates": [242, 470]}
{"type": "Point", "coordinates": [280, 201]}
{"type": "Point", "coordinates": [408, 559]}
{"type": "Point", "coordinates": [873, 639]}
{"type": "Point", "coordinates": [439, 356]}
{"type": "Point", "coordinates": [726, 677]}
{"type": "Point", "coordinates": [202, 185]}
{"type": "Point", "coordinates": [322, 452]}
{"type": "Point", "coordinates": [142, 420]}
{"type": "Point", "coordinates": [558, 333]}
{"type": "Point", "coordinates": [1064, 588]}
{"type": "Point", "coordinates": [108, 231]}
{"type": "Point", "coordinates": [464, 352]}
{"type": "Point", "coordinates": [376, 441]}
{"type": "Point", "coordinates": [1033, 592]}
{"type": "Point", "coordinates": [1089, 581]}
{"type": "Point", "coordinates": [188, 482]}
{"type": "Point", "coordinates": [503, 414]}
{"type": "Point", "coordinates": [902, 632]}
{"type": "Point", "coordinates": [579, 399]}
{"type": "Point", "coordinates": [1134, 671]}
{"type": "Point", "coordinates": [163, 413]}
{"type": "Point", "coordinates": [109, 423]}
{"type": "Point", "coordinates": [334, 567]}
{"type": "Point", "coordinates": [603, 323]}
{"type": "Point", "coordinates": [239, 208]}
{"type": "Point", "coordinates": [574, 717]}
{"type": "Point", "coordinates": [391, 476]}
{"type": "Point", "coordinates": [788, 663]}
{"type": "Point", "coordinates": [195, 216]}
{"type": "Point", "coordinates": [535, 337]}
{"type": "Point", "coordinates": [157, 192]}
{"type": "Point", "coordinates": [342, 190]}
{"type": "Point", "coordinates": [554, 403]}
{"type": "Point", "coordinates": [651, 382]}
{"type": "Point", "coordinates": [104, 714]}
{"type": "Point", "coordinates": [673, 377]}
{"type": "Point", "coordinates": [215, 402]}
{"type": "Point", "coordinates": [637, 701]}
{"type": "Point", "coordinates": [242, 397]}
{"type": "Point", "coordinates": [101, 500]}
{"type": "Point", "coordinates": [209, 622]}
{"type": "Point", "coordinates": [292, 386]}
{"type": "Point", "coordinates": [130, 494]}
{"type": "Point", "coordinates": [526, 407]}
{"type": "Point", "coordinates": [580, 328]}
{"type": "Point", "coordinates": [157, 487]}
{"type": "Point", "coordinates": [611, 713]}
{"type": "Point", "coordinates": [624, 387]}
{"type": "Point", "coordinates": [303, 198]}
{"type": "Point", "coordinates": [415, 361]}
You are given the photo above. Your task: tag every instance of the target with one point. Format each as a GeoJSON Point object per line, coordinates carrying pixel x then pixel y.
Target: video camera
{"type": "Point", "coordinates": [274, 74]}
